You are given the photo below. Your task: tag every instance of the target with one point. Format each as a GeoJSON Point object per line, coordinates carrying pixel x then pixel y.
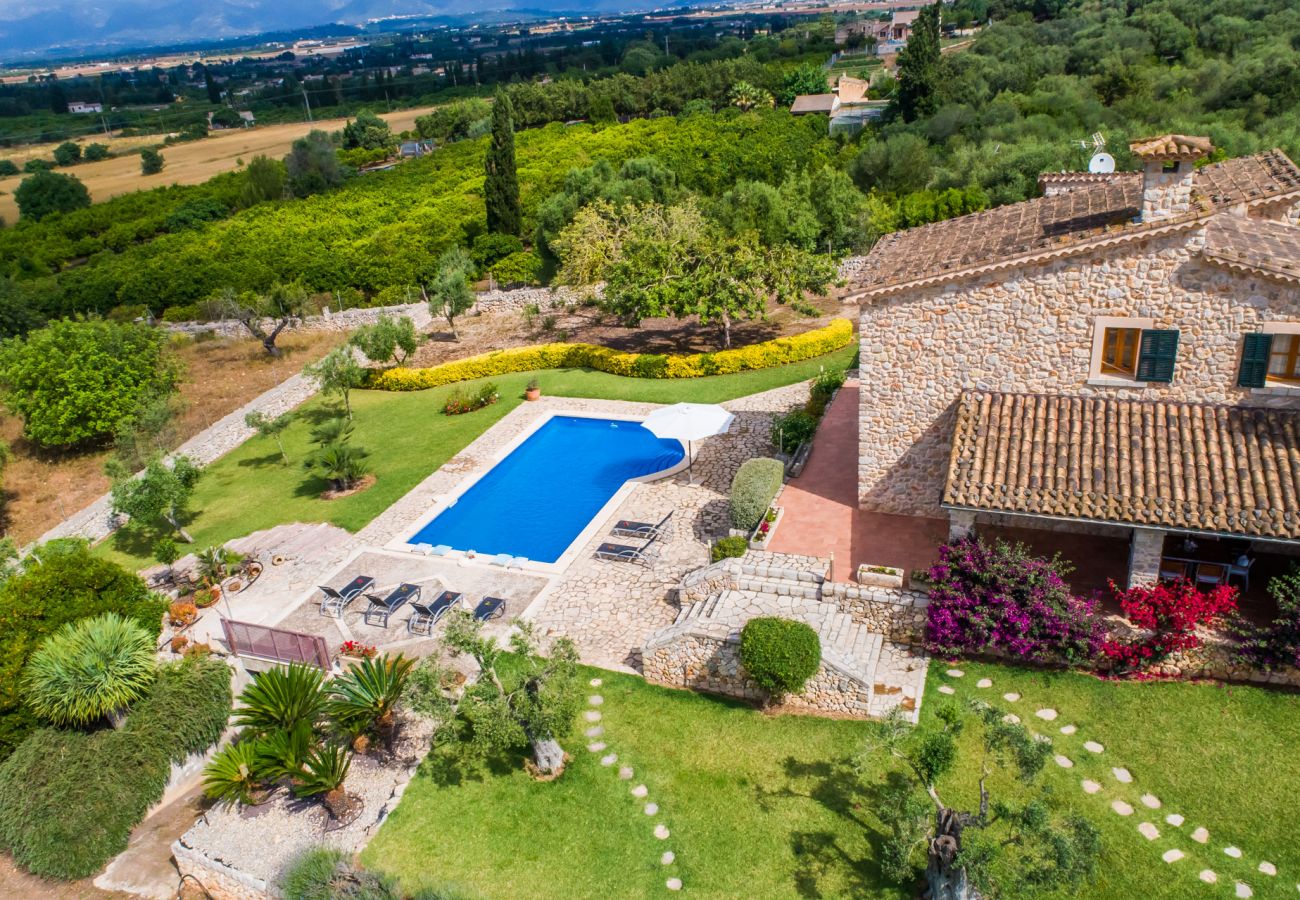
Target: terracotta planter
{"type": "Point", "coordinates": [533, 394]}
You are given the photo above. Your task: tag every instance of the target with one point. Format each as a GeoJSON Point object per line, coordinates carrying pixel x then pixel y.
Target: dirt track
{"type": "Point", "coordinates": [189, 163]}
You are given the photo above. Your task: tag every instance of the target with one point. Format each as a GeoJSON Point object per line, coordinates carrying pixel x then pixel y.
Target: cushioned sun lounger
{"type": "Point", "coordinates": [501, 559]}
{"type": "Point", "coordinates": [337, 601]}
{"type": "Point", "coordinates": [489, 608]}
{"type": "Point", "coordinates": [628, 528]}
{"type": "Point", "coordinates": [380, 609]}
{"type": "Point", "coordinates": [645, 555]}
{"type": "Point", "coordinates": [427, 615]}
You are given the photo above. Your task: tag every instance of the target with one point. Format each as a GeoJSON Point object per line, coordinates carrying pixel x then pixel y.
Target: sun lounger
{"type": "Point", "coordinates": [645, 555]}
{"type": "Point", "coordinates": [337, 601]}
{"type": "Point", "coordinates": [501, 559]}
{"type": "Point", "coordinates": [380, 609]}
{"type": "Point", "coordinates": [643, 530]}
{"type": "Point", "coordinates": [427, 615]}
{"type": "Point", "coordinates": [490, 608]}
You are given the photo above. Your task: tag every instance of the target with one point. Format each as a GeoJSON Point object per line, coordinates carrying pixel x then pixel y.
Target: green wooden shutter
{"type": "Point", "coordinates": [1255, 351]}
{"type": "Point", "coordinates": [1156, 355]}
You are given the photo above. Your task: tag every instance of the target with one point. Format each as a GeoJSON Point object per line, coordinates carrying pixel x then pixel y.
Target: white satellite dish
{"type": "Point", "coordinates": [1101, 164]}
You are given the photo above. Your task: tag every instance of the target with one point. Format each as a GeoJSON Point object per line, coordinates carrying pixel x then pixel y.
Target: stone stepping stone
{"type": "Point", "coordinates": [1064, 762]}
{"type": "Point", "coordinates": [1234, 852]}
{"type": "Point", "coordinates": [674, 884]}
{"type": "Point", "coordinates": [954, 673]}
{"type": "Point", "coordinates": [1011, 697]}
{"type": "Point", "coordinates": [1150, 801]}
{"type": "Point", "coordinates": [1121, 807]}
{"type": "Point", "coordinates": [594, 731]}
{"type": "Point", "coordinates": [595, 682]}
{"type": "Point", "coordinates": [661, 832]}
{"type": "Point", "coordinates": [1201, 836]}
{"type": "Point", "coordinates": [596, 746]}
{"type": "Point", "coordinates": [1172, 856]}
{"type": "Point", "coordinates": [609, 760]}
{"type": "Point", "coordinates": [984, 683]}
{"type": "Point", "coordinates": [640, 791]}
{"type": "Point", "coordinates": [625, 773]}
{"type": "Point", "coordinates": [1069, 729]}
{"type": "Point", "coordinates": [1209, 876]}
{"type": "Point", "coordinates": [595, 700]}
{"type": "Point", "coordinates": [1268, 868]}
{"type": "Point", "coordinates": [1174, 819]}
{"type": "Point", "coordinates": [667, 858]}
{"type": "Point", "coordinates": [1047, 715]}
{"type": "Point", "coordinates": [1090, 787]}
{"type": "Point", "coordinates": [1123, 776]}
{"type": "Point", "coordinates": [1148, 831]}
{"type": "Point", "coordinates": [946, 689]}
{"type": "Point", "coordinates": [1011, 719]}
{"type": "Point", "coordinates": [591, 715]}
{"type": "Point", "coordinates": [1243, 890]}
{"type": "Point", "coordinates": [1093, 747]}
{"type": "Point", "coordinates": [651, 809]}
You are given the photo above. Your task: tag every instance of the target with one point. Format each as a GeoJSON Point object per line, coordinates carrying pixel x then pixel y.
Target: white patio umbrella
{"type": "Point", "coordinates": [689, 422]}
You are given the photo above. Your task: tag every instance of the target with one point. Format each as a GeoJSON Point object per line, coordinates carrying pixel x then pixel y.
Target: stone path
{"type": "Point", "coordinates": [1122, 807]}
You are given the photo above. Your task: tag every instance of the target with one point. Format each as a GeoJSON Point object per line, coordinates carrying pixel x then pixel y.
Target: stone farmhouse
{"type": "Point", "coordinates": [1116, 362]}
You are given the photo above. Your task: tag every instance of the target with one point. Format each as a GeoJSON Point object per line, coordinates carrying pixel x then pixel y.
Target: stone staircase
{"type": "Point", "coordinates": [864, 673]}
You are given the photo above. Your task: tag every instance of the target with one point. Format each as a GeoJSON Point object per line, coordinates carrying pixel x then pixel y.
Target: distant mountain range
{"type": "Point", "coordinates": [40, 28]}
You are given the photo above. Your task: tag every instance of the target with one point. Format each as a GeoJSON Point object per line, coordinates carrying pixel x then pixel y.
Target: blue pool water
{"type": "Point", "coordinates": [539, 498]}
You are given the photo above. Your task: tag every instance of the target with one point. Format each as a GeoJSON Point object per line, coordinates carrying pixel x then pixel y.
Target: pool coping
{"type": "Point", "coordinates": [402, 544]}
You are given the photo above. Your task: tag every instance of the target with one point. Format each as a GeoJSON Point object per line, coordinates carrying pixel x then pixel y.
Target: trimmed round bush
{"type": "Point", "coordinates": [728, 547]}
{"type": "Point", "coordinates": [90, 670]}
{"type": "Point", "coordinates": [752, 489]}
{"type": "Point", "coordinates": [780, 655]}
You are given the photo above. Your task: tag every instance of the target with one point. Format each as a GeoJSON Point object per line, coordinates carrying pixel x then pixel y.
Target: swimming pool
{"type": "Point", "coordinates": [536, 501]}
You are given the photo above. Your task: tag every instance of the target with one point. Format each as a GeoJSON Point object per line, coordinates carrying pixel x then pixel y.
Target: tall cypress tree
{"type": "Point", "coordinates": [214, 92]}
{"type": "Point", "coordinates": [918, 67]}
{"type": "Point", "coordinates": [501, 187]}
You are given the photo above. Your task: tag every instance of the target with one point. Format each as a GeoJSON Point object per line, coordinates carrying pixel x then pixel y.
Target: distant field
{"type": "Point", "coordinates": [189, 163]}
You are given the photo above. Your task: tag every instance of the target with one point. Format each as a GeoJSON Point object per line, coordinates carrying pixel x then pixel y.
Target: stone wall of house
{"type": "Point", "coordinates": [712, 664]}
{"type": "Point", "coordinates": [897, 614]}
{"type": "Point", "coordinates": [1032, 330]}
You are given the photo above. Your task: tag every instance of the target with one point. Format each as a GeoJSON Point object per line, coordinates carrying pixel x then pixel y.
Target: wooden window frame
{"type": "Point", "coordinates": [1105, 377]}
{"type": "Point", "coordinates": [1290, 331]}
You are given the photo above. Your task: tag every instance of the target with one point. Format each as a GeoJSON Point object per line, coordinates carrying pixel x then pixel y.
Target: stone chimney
{"type": "Point", "coordinates": [1168, 164]}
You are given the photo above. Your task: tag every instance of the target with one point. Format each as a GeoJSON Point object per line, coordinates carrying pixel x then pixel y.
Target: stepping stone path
{"type": "Point", "coordinates": [1209, 876]}
{"type": "Point", "coordinates": [1064, 762]}
{"type": "Point", "coordinates": [1090, 787]}
{"type": "Point", "coordinates": [1243, 890]}
{"type": "Point", "coordinates": [596, 747]}
{"type": "Point", "coordinates": [946, 689]}
{"type": "Point", "coordinates": [640, 791]}
{"type": "Point", "coordinates": [954, 673]}
{"type": "Point", "coordinates": [1121, 807]}
{"type": "Point", "coordinates": [1150, 801]}
{"type": "Point", "coordinates": [662, 832]}
{"type": "Point", "coordinates": [1268, 868]}
{"type": "Point", "coordinates": [667, 858]}
{"type": "Point", "coordinates": [609, 760]}
{"type": "Point", "coordinates": [651, 809]}
{"type": "Point", "coordinates": [673, 884]}
{"type": "Point", "coordinates": [1068, 729]}
{"type": "Point", "coordinates": [592, 716]}
{"type": "Point", "coordinates": [1148, 831]}
{"type": "Point", "coordinates": [1093, 747]}
{"type": "Point", "coordinates": [1011, 697]}
{"type": "Point", "coordinates": [1174, 819]}
{"type": "Point", "coordinates": [1200, 835]}
{"type": "Point", "coordinates": [984, 683]}
{"type": "Point", "coordinates": [1122, 775]}
{"type": "Point", "coordinates": [595, 731]}
{"type": "Point", "coordinates": [1011, 718]}
{"type": "Point", "coordinates": [1047, 715]}
{"type": "Point", "coordinates": [595, 682]}
{"type": "Point", "coordinates": [625, 773]}
{"type": "Point", "coordinates": [1234, 852]}
{"type": "Point", "coordinates": [596, 700]}
{"type": "Point", "coordinates": [1172, 856]}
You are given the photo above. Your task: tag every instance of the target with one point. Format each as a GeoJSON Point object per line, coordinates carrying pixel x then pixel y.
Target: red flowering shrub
{"type": "Point", "coordinates": [1171, 612]}
{"type": "Point", "coordinates": [356, 648]}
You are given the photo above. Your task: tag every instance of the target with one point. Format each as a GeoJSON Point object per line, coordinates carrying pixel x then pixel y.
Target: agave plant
{"type": "Point", "coordinates": [280, 698]}
{"type": "Point", "coordinates": [215, 563]}
{"type": "Point", "coordinates": [323, 774]}
{"type": "Point", "coordinates": [232, 776]}
{"type": "Point", "coordinates": [281, 754]}
{"type": "Point", "coordinates": [89, 670]}
{"type": "Point", "coordinates": [366, 697]}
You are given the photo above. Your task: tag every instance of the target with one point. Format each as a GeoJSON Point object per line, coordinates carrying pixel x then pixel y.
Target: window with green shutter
{"type": "Point", "coordinates": [1157, 355]}
{"type": "Point", "coordinates": [1255, 351]}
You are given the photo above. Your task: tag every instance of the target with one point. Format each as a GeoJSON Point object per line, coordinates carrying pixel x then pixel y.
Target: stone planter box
{"type": "Point", "coordinates": [880, 576]}
{"type": "Point", "coordinates": [758, 541]}
{"type": "Point", "coordinates": [348, 661]}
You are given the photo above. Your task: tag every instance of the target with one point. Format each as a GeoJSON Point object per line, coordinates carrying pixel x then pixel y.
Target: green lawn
{"type": "Point", "coordinates": [769, 807]}
{"type": "Point", "coordinates": [408, 437]}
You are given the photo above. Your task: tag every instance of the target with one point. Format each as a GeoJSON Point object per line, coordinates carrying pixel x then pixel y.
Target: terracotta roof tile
{"type": "Point", "coordinates": [1181, 466]}
{"type": "Point", "coordinates": [1261, 246]}
{"type": "Point", "coordinates": [1171, 147]}
{"type": "Point", "coordinates": [813, 103]}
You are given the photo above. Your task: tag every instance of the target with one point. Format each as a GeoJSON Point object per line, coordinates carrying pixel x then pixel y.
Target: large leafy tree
{"type": "Point", "coordinates": [263, 180]}
{"type": "Point", "coordinates": [387, 339]}
{"type": "Point", "coordinates": [367, 132]}
{"type": "Point", "coordinates": [313, 165]}
{"type": "Point", "coordinates": [283, 305]}
{"type": "Point", "coordinates": [158, 496]}
{"type": "Point", "coordinates": [73, 383]}
{"type": "Point", "coordinates": [46, 192]}
{"type": "Point", "coordinates": [918, 67]}
{"type": "Point", "coordinates": [992, 848]}
{"type": "Point", "coordinates": [501, 185]}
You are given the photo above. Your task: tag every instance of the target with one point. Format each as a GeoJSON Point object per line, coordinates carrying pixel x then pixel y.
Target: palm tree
{"type": "Point", "coordinates": [366, 697]}
{"type": "Point", "coordinates": [281, 698]}
{"type": "Point", "coordinates": [90, 670]}
{"type": "Point", "coordinates": [746, 96]}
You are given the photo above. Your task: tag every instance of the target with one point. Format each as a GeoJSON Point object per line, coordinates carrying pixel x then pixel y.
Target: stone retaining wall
{"type": "Point", "coordinates": [220, 881]}
{"type": "Point", "coordinates": [897, 614]}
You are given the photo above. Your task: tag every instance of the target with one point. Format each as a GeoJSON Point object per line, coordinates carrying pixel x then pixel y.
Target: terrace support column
{"type": "Point", "coordinates": [961, 522]}
{"type": "Point", "coordinates": [1145, 550]}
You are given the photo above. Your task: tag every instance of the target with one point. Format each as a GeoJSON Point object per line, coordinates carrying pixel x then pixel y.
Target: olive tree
{"type": "Point", "coordinates": [382, 340]}
{"type": "Point", "coordinates": [158, 495]}
{"type": "Point", "coordinates": [283, 305]}
{"type": "Point", "coordinates": [338, 372]}
{"type": "Point", "coordinates": [447, 289]}
{"type": "Point", "coordinates": [271, 426]}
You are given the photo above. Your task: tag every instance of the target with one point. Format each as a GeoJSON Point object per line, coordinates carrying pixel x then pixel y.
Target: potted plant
{"type": "Point", "coordinates": [207, 596]}
{"type": "Point", "coordinates": [351, 653]}
{"type": "Point", "coordinates": [532, 391]}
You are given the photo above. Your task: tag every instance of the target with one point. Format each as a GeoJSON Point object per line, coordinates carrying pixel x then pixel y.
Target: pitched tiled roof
{"type": "Point", "coordinates": [1062, 221]}
{"type": "Point", "coordinates": [1181, 466]}
{"type": "Point", "coordinates": [1171, 147]}
{"type": "Point", "coordinates": [1261, 246]}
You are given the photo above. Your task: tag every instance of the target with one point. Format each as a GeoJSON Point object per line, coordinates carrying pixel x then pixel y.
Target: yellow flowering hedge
{"type": "Point", "coordinates": [776, 352]}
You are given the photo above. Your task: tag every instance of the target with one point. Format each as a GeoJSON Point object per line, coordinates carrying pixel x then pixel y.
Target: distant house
{"type": "Point", "coordinates": [77, 106]}
{"type": "Point", "coordinates": [848, 107]}
{"type": "Point", "coordinates": [248, 117]}
{"type": "Point", "coordinates": [414, 149]}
